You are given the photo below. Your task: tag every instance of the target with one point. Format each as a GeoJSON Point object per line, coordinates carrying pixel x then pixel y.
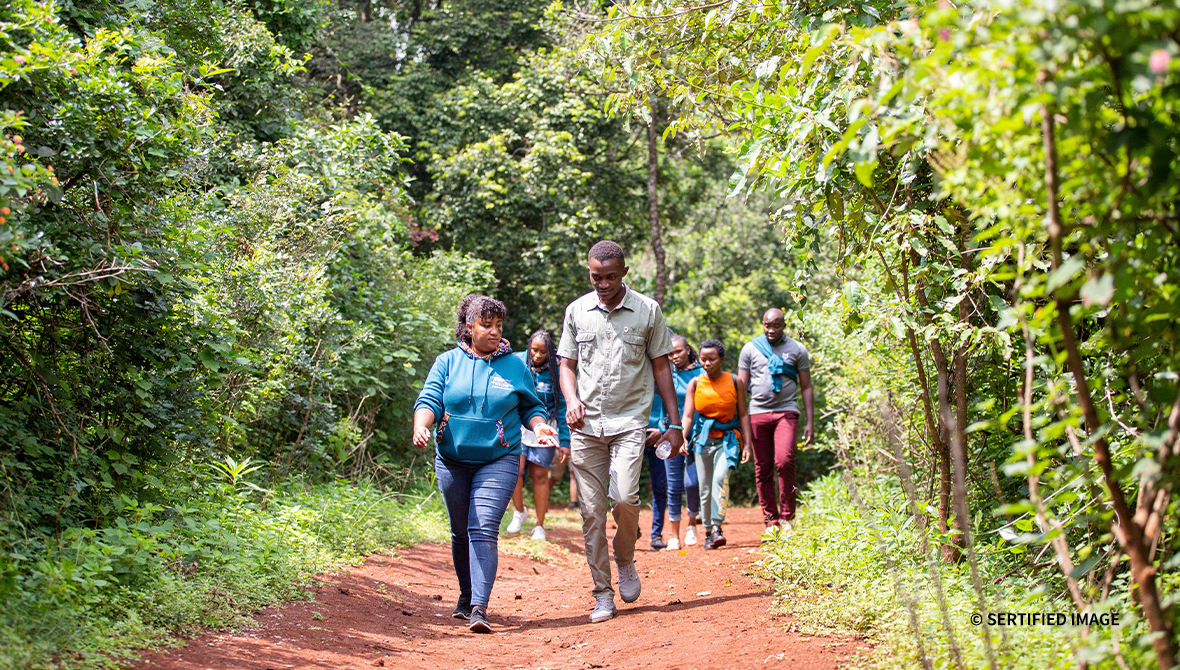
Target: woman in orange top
{"type": "Point", "coordinates": [714, 410]}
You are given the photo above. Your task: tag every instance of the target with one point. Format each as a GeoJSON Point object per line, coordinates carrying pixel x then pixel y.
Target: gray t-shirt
{"type": "Point", "coordinates": [763, 399]}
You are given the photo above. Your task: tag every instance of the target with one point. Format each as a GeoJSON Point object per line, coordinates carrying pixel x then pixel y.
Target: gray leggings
{"type": "Point", "coordinates": [713, 474]}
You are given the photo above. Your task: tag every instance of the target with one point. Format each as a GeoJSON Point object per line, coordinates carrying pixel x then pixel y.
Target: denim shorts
{"type": "Point", "coordinates": [542, 456]}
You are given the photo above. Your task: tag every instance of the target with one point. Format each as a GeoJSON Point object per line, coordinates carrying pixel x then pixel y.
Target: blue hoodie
{"type": "Point", "coordinates": [480, 404]}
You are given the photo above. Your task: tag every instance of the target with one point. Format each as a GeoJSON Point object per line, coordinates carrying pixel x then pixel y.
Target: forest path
{"type": "Point", "coordinates": [698, 610]}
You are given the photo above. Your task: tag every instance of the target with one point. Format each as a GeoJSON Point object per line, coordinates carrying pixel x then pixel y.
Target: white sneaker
{"type": "Point", "coordinates": [690, 537]}
{"type": "Point", "coordinates": [604, 608]}
{"type": "Point", "coordinates": [629, 586]}
{"type": "Point", "coordinates": [539, 533]}
{"type": "Point", "coordinates": [674, 544]}
{"type": "Point", "coordinates": [518, 520]}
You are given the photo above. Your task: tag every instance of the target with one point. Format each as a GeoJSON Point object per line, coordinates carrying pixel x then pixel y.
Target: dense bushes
{"type": "Point", "coordinates": [864, 571]}
{"type": "Point", "coordinates": [200, 264]}
{"type": "Point", "coordinates": [177, 289]}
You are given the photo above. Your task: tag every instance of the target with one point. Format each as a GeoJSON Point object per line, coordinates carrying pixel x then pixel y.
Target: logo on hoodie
{"type": "Point", "coordinates": [499, 382]}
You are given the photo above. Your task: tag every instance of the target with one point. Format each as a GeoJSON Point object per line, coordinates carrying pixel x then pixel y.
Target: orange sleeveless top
{"type": "Point", "coordinates": [716, 399]}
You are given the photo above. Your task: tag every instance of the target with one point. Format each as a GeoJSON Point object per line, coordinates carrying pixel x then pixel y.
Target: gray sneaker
{"type": "Point", "coordinates": [629, 586]}
{"type": "Point", "coordinates": [604, 608]}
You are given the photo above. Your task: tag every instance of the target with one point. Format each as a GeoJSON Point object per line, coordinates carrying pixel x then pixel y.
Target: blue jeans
{"type": "Point", "coordinates": [476, 498]}
{"type": "Point", "coordinates": [692, 487]}
{"type": "Point", "coordinates": [659, 490]}
{"type": "Point", "coordinates": [675, 470]}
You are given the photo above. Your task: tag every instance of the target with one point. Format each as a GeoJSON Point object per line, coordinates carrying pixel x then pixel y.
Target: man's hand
{"type": "Point", "coordinates": [422, 437]}
{"type": "Point", "coordinates": [675, 436]}
{"type": "Point", "coordinates": [563, 454]}
{"type": "Point", "coordinates": [575, 413]}
{"type": "Point", "coordinates": [653, 437]}
{"type": "Point", "coordinates": [747, 451]}
{"type": "Point", "coordinates": [807, 435]}
{"type": "Point", "coordinates": [546, 434]}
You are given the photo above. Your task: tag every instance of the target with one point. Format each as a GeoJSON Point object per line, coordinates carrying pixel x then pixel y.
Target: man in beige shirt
{"type": "Point", "coordinates": [618, 342]}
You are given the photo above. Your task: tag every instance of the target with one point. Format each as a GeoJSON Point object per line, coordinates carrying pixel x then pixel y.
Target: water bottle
{"type": "Point", "coordinates": [664, 449]}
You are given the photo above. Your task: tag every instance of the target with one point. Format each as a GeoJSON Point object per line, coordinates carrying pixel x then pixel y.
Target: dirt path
{"type": "Point", "coordinates": [698, 610]}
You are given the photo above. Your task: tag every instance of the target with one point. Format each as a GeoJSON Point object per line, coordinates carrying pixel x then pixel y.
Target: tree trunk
{"type": "Point", "coordinates": [960, 360]}
{"type": "Point", "coordinates": [951, 553]}
{"type": "Point", "coordinates": [1127, 529]}
{"type": "Point", "coordinates": [653, 204]}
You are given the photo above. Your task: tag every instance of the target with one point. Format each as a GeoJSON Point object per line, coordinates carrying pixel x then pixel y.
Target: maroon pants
{"type": "Point", "coordinates": [774, 450]}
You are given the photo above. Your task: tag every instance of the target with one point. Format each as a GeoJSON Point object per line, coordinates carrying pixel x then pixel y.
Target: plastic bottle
{"type": "Point", "coordinates": [664, 450]}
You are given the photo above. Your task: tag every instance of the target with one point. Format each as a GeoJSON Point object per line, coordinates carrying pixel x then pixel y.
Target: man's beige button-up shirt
{"type": "Point", "coordinates": [614, 351]}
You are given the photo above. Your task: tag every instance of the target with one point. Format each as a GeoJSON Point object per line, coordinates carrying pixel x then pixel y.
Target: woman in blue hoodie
{"type": "Point", "coordinates": [480, 397]}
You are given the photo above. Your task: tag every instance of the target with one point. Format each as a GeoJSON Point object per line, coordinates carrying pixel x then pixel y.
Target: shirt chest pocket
{"type": "Point", "coordinates": [634, 347]}
{"type": "Point", "coordinates": [585, 342]}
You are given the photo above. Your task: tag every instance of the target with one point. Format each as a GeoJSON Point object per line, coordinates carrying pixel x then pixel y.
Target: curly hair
{"type": "Point", "coordinates": [715, 345]}
{"type": "Point", "coordinates": [476, 308]}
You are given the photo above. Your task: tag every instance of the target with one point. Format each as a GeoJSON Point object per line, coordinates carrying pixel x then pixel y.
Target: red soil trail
{"type": "Point", "coordinates": [698, 611]}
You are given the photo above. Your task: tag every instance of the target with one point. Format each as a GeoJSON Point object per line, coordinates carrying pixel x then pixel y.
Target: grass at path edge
{"type": "Point", "coordinates": [96, 596]}
{"type": "Point", "coordinates": [831, 575]}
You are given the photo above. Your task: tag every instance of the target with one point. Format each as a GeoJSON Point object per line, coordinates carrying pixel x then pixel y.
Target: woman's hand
{"type": "Point", "coordinates": [546, 434]}
{"type": "Point", "coordinates": [563, 454]}
{"type": "Point", "coordinates": [653, 436]}
{"type": "Point", "coordinates": [423, 420]}
{"type": "Point", "coordinates": [421, 436]}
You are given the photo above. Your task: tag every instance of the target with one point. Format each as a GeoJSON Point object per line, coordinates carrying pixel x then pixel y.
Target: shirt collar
{"type": "Point", "coordinates": [504, 347]}
{"type": "Point", "coordinates": [625, 303]}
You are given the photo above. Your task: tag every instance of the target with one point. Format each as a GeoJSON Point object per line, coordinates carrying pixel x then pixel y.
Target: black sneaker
{"type": "Point", "coordinates": [575, 506]}
{"type": "Point", "coordinates": [657, 543]}
{"type": "Point", "coordinates": [462, 611]}
{"type": "Point", "coordinates": [479, 621]}
{"type": "Point", "coordinates": [716, 538]}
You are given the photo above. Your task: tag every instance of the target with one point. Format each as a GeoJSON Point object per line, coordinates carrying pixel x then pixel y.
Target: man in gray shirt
{"type": "Point", "coordinates": [777, 370]}
{"type": "Point", "coordinates": [619, 343]}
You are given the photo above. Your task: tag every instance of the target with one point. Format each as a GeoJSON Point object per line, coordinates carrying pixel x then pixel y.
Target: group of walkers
{"type": "Point", "coordinates": [618, 390]}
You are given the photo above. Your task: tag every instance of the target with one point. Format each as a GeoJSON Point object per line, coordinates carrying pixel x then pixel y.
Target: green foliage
{"type": "Point", "coordinates": [208, 558]}
{"type": "Point", "coordinates": [526, 175]}
{"type": "Point", "coordinates": [979, 176]}
{"type": "Point", "coordinates": [186, 288]}
{"type": "Point", "coordinates": [831, 574]}
{"type": "Point", "coordinates": [729, 268]}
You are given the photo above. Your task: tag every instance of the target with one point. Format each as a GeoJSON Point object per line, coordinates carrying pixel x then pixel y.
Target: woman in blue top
{"type": "Point", "coordinates": [541, 360]}
{"type": "Point", "coordinates": [480, 397]}
{"type": "Point", "coordinates": [676, 476]}
{"type": "Point", "coordinates": [687, 367]}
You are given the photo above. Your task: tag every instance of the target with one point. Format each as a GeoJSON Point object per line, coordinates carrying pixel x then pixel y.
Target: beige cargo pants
{"type": "Point", "coordinates": [607, 471]}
